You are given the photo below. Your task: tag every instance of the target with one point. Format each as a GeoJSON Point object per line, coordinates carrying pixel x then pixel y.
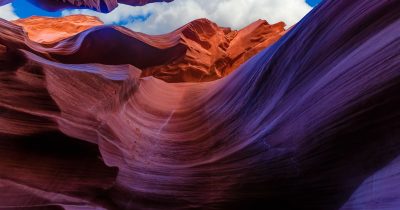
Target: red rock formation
{"type": "Point", "coordinates": [311, 122]}
{"type": "Point", "coordinates": [49, 30]}
{"type": "Point", "coordinates": [214, 52]}
{"type": "Point", "coordinates": [198, 51]}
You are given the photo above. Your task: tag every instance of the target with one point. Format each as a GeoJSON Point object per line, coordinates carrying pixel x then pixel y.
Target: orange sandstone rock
{"type": "Point", "coordinates": [213, 52]}
{"type": "Point", "coordinates": [197, 52]}
{"type": "Point", "coordinates": [49, 30]}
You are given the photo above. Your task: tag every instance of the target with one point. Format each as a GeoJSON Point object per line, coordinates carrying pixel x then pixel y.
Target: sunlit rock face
{"type": "Point", "coordinates": [197, 52]}
{"type": "Point", "coordinates": [213, 52]}
{"type": "Point", "coordinates": [49, 30]}
{"type": "Point", "coordinates": [310, 122]}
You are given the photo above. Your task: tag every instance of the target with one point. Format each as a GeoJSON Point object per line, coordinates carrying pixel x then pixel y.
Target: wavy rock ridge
{"type": "Point", "coordinates": [49, 30]}
{"type": "Point", "coordinates": [197, 52]}
{"type": "Point", "coordinates": [311, 122]}
{"type": "Point", "coordinates": [213, 52]}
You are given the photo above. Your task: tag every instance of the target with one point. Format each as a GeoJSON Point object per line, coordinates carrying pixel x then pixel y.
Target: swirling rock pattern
{"type": "Point", "coordinates": [213, 52]}
{"type": "Point", "coordinates": [311, 122]}
{"type": "Point", "coordinates": [197, 52]}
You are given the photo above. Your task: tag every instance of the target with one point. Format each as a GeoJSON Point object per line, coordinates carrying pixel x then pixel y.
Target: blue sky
{"type": "Point", "coordinates": [161, 18]}
{"type": "Point", "coordinates": [313, 3]}
{"type": "Point", "coordinates": [24, 8]}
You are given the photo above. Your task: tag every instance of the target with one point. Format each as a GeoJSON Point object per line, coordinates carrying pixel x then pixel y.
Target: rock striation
{"type": "Point", "coordinates": [311, 122]}
{"type": "Point", "coordinates": [213, 52]}
{"type": "Point", "coordinates": [197, 52]}
{"type": "Point", "coordinates": [49, 30]}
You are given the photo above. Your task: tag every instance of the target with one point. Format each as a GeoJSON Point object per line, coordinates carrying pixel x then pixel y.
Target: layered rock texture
{"type": "Point", "coordinates": [311, 122]}
{"type": "Point", "coordinates": [49, 30]}
{"type": "Point", "coordinates": [197, 52]}
{"type": "Point", "coordinates": [213, 52]}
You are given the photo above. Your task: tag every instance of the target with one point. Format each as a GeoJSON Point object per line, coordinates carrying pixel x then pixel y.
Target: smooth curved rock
{"type": "Point", "coordinates": [307, 123]}
{"type": "Point", "coordinates": [197, 52]}
{"type": "Point", "coordinates": [49, 30]}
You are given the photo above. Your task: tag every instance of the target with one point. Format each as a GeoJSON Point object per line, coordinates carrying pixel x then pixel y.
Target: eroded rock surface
{"type": "Point", "coordinates": [311, 122]}
{"type": "Point", "coordinates": [197, 52]}
{"type": "Point", "coordinates": [49, 30]}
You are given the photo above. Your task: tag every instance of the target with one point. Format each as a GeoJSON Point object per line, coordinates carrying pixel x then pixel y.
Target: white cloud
{"type": "Point", "coordinates": [166, 17]}
{"type": "Point", "coordinates": [7, 12]}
